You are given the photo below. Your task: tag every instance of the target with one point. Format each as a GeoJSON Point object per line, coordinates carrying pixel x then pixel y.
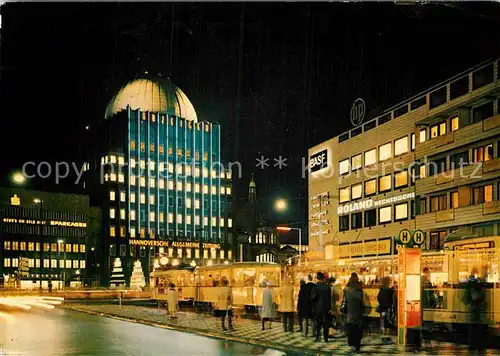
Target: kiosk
{"type": "Point", "coordinates": [409, 294]}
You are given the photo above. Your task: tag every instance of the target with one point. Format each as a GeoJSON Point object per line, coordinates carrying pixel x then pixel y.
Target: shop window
{"type": "Point", "coordinates": [370, 157]}
{"type": "Point", "coordinates": [344, 166]}
{"type": "Point", "coordinates": [384, 215]}
{"type": "Point", "coordinates": [422, 135]}
{"type": "Point", "coordinates": [459, 160]}
{"type": "Point", "coordinates": [385, 152]}
{"type": "Point", "coordinates": [401, 179]}
{"type": "Point", "coordinates": [454, 123]}
{"type": "Point", "coordinates": [385, 183]}
{"type": "Point", "coordinates": [482, 112]}
{"type": "Point", "coordinates": [343, 223]}
{"type": "Point", "coordinates": [356, 162]}
{"type": "Point", "coordinates": [357, 191]}
{"type": "Point", "coordinates": [401, 212]}
{"type": "Point", "coordinates": [344, 195]}
{"type": "Point", "coordinates": [482, 194]}
{"type": "Point", "coordinates": [370, 217]}
{"type": "Point", "coordinates": [482, 154]}
{"type": "Point", "coordinates": [438, 203]}
{"type": "Point", "coordinates": [356, 220]}
{"type": "Point", "coordinates": [370, 187]}
{"type": "Point", "coordinates": [401, 146]}
{"type": "Point", "coordinates": [454, 200]}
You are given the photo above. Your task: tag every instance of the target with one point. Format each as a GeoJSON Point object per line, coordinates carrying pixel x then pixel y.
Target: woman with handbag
{"type": "Point", "coordinates": [385, 303]}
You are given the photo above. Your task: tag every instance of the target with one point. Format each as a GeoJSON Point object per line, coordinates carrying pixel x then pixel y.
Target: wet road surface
{"type": "Point", "coordinates": [63, 332]}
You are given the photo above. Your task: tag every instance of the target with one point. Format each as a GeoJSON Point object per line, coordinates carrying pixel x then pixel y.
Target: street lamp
{"type": "Point", "coordinates": [280, 205]}
{"type": "Point", "coordinates": [18, 178]}
{"type": "Point", "coordinates": [287, 229]}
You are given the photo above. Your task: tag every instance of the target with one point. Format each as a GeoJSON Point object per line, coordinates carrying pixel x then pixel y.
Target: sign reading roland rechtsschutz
{"type": "Point", "coordinates": [370, 203]}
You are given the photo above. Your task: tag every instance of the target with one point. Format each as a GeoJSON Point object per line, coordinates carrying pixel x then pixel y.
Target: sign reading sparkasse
{"type": "Point", "coordinates": [318, 160]}
{"type": "Point", "coordinates": [45, 222]}
{"type": "Point", "coordinates": [370, 203]}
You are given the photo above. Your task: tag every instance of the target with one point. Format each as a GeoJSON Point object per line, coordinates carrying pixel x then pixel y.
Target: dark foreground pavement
{"type": "Point", "coordinates": [249, 332]}
{"type": "Point", "coordinates": [66, 332]}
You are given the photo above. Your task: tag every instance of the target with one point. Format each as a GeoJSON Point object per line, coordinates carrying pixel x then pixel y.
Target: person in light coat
{"type": "Point", "coordinates": [224, 304]}
{"type": "Point", "coordinates": [172, 301]}
{"type": "Point", "coordinates": [267, 312]}
{"type": "Point", "coordinates": [287, 305]}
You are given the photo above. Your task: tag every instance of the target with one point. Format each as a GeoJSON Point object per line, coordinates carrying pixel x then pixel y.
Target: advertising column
{"type": "Point", "coordinates": [410, 289]}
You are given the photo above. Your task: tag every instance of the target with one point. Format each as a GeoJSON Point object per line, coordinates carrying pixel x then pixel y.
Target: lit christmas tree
{"type": "Point", "coordinates": [137, 280]}
{"type": "Point", "coordinates": [117, 277]}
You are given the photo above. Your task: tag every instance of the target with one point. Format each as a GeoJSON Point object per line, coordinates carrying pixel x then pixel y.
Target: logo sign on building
{"type": "Point", "coordinates": [318, 161]}
{"type": "Point", "coordinates": [358, 111]}
{"type": "Point", "coordinates": [411, 238]}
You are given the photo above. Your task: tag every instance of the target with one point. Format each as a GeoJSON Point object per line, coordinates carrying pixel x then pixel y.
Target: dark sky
{"type": "Point", "coordinates": [303, 65]}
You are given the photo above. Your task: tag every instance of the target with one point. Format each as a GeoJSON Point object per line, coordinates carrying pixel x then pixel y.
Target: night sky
{"type": "Point", "coordinates": [302, 67]}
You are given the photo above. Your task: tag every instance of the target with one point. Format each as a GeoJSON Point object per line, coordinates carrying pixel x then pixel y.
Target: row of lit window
{"type": "Point", "coordinates": [478, 195]}
{"type": "Point", "coordinates": [190, 123]}
{"type": "Point", "coordinates": [161, 150]}
{"type": "Point", "coordinates": [47, 263]}
{"type": "Point", "coordinates": [265, 257]}
{"type": "Point", "coordinates": [179, 253]}
{"type": "Point", "coordinates": [161, 184]}
{"type": "Point", "coordinates": [35, 246]}
{"type": "Point", "coordinates": [161, 217]}
{"type": "Point", "coordinates": [401, 146]}
{"type": "Point", "coordinates": [188, 201]}
{"type": "Point", "coordinates": [385, 214]}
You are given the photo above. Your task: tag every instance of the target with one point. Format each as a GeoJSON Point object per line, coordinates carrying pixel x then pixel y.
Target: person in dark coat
{"type": "Point", "coordinates": [355, 312]}
{"type": "Point", "coordinates": [474, 300]}
{"type": "Point", "coordinates": [321, 298]}
{"type": "Point", "coordinates": [304, 305]}
{"type": "Point", "coordinates": [385, 300]}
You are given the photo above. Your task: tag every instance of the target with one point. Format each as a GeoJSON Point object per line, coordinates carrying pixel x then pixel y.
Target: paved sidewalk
{"type": "Point", "coordinates": [249, 331]}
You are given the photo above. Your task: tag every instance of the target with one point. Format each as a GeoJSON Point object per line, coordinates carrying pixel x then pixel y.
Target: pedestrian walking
{"type": "Point", "coordinates": [224, 305]}
{"type": "Point", "coordinates": [474, 300]}
{"type": "Point", "coordinates": [335, 322]}
{"type": "Point", "coordinates": [268, 309]}
{"type": "Point", "coordinates": [287, 305]}
{"type": "Point", "coordinates": [300, 300]}
{"type": "Point", "coordinates": [355, 309]}
{"type": "Point", "coordinates": [385, 300]}
{"type": "Point", "coordinates": [172, 301]}
{"type": "Point", "coordinates": [321, 298]}
{"type": "Point", "coordinates": [304, 305]}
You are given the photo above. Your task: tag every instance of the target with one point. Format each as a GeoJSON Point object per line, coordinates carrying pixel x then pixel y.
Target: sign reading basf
{"type": "Point", "coordinates": [318, 161]}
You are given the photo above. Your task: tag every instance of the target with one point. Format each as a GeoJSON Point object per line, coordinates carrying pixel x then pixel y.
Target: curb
{"type": "Point", "coordinates": [201, 332]}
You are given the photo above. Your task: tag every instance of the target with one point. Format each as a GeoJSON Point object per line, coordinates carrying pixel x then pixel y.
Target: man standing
{"type": "Point", "coordinates": [287, 305]}
{"type": "Point", "coordinates": [321, 298]}
{"type": "Point", "coordinates": [224, 304]}
{"type": "Point", "coordinates": [304, 304]}
{"type": "Point", "coordinates": [474, 300]}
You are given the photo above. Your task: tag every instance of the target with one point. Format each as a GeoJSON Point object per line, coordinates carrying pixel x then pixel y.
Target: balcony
{"type": "Point", "coordinates": [491, 207]}
{"type": "Point", "coordinates": [491, 123]}
{"type": "Point", "coordinates": [491, 165]}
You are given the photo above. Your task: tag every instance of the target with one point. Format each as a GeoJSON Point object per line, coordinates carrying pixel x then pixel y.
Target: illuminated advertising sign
{"type": "Point", "coordinates": [366, 248]}
{"type": "Point", "coordinates": [370, 203]}
{"type": "Point", "coordinates": [45, 222]}
{"type": "Point", "coordinates": [318, 161]}
{"type": "Point", "coordinates": [178, 244]}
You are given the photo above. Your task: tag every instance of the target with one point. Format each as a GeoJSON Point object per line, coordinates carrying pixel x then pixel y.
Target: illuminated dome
{"type": "Point", "coordinates": [156, 95]}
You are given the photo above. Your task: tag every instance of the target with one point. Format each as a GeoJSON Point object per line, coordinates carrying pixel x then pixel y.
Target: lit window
{"type": "Point", "coordinates": [188, 187]}
{"type": "Point", "coordinates": [422, 171]}
{"type": "Point", "coordinates": [112, 195]}
{"type": "Point", "coordinates": [112, 177]}
{"type": "Point", "coordinates": [223, 190]}
{"type": "Point", "coordinates": [162, 166]}
{"type": "Point", "coordinates": [188, 170]}
{"type": "Point", "coordinates": [188, 203]}
{"type": "Point", "coordinates": [442, 128]}
{"type": "Point", "coordinates": [205, 172]}
{"type": "Point", "coordinates": [170, 150]}
{"type": "Point", "coordinates": [170, 184]}
{"type": "Point", "coordinates": [205, 156]}
{"type": "Point", "coordinates": [385, 183]}
{"type": "Point", "coordinates": [179, 152]}
{"type": "Point", "coordinates": [143, 198]}
{"type": "Point", "coordinates": [229, 222]}
{"type": "Point", "coordinates": [454, 123]}
{"type": "Point", "coordinates": [22, 246]}
{"type": "Point", "coordinates": [152, 182]}
{"type": "Point", "coordinates": [132, 145]}
{"type": "Point", "coordinates": [132, 181]}
{"type": "Point", "coordinates": [132, 214]}
{"type": "Point", "coordinates": [423, 135]}
{"type": "Point", "coordinates": [151, 199]}
{"type": "Point", "coordinates": [481, 154]}
{"type": "Point", "coordinates": [205, 189]}
{"type": "Point", "coordinates": [401, 211]}
{"type": "Point", "coordinates": [113, 159]}
{"type": "Point", "coordinates": [143, 181]}
{"type": "Point", "coordinates": [179, 218]}
{"type": "Point", "coordinates": [179, 168]}
{"type": "Point", "coordinates": [205, 220]}
{"type": "Point", "coordinates": [370, 187]}
{"type": "Point", "coordinates": [170, 218]}
{"type": "Point", "coordinates": [221, 222]}
{"type": "Point", "coordinates": [112, 212]}
{"type": "Point", "coordinates": [121, 178]}
{"type": "Point", "coordinates": [344, 195]}
{"type": "Point", "coordinates": [31, 246]}
{"type": "Point", "coordinates": [122, 196]}
{"type": "Point", "coordinates": [228, 190]}
{"type": "Point", "coordinates": [370, 157]}
{"type": "Point", "coordinates": [384, 214]}
{"type": "Point", "coordinates": [197, 204]}
{"type": "Point", "coordinates": [188, 219]}
{"type": "Point", "coordinates": [162, 149]}
{"type": "Point", "coordinates": [179, 186]}
{"type": "Point", "coordinates": [170, 168]}
{"type": "Point", "coordinates": [214, 221]}
{"type": "Point", "coordinates": [143, 164]}
{"type": "Point", "coordinates": [133, 162]}
{"type": "Point", "coordinates": [229, 255]}
{"type": "Point", "coordinates": [122, 214]}
{"type": "Point", "coordinates": [344, 166]}
{"type": "Point", "coordinates": [151, 147]}
{"type": "Point", "coordinates": [356, 162]}
{"type": "Point", "coordinates": [434, 131]}
{"type": "Point", "coordinates": [112, 231]}
{"type": "Point", "coordinates": [161, 183]}
{"type": "Point", "coordinates": [122, 231]}
{"type": "Point", "coordinates": [162, 216]}
{"type": "Point", "coordinates": [412, 141]}
{"type": "Point", "coordinates": [197, 219]}
{"type": "Point", "coordinates": [214, 189]}
{"type": "Point", "coordinates": [121, 161]}
{"type": "Point", "coordinates": [357, 191]}
{"type": "Point", "coordinates": [454, 200]}
{"type": "Point", "coordinates": [132, 197]}
{"type": "Point", "coordinates": [143, 232]}
{"type": "Point", "coordinates": [152, 216]}
{"type": "Point", "coordinates": [385, 152]}
{"type": "Point", "coordinates": [214, 173]}
{"type": "Point", "coordinates": [401, 146]}
{"type": "Point", "coordinates": [401, 179]}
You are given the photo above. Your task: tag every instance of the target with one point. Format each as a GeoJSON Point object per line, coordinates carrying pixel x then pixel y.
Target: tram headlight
{"type": "Point", "coordinates": [163, 260]}
{"type": "Point", "coordinates": [175, 262]}
{"type": "Point", "coordinates": [193, 263]}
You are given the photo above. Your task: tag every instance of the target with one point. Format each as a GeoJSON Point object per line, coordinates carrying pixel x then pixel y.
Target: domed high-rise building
{"type": "Point", "coordinates": [158, 176]}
